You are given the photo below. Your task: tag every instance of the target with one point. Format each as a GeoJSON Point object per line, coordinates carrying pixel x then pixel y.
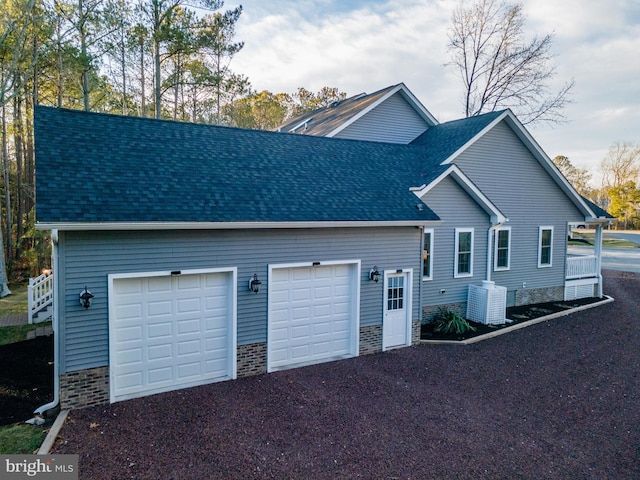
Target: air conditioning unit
{"type": "Point", "coordinates": [487, 303]}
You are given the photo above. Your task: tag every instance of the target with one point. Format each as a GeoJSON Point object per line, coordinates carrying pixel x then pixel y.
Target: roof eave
{"type": "Point", "coordinates": [130, 226]}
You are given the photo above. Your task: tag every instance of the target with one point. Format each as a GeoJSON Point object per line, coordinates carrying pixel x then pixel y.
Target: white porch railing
{"type": "Point", "coordinates": [581, 266]}
{"type": "Point", "coordinates": [39, 293]}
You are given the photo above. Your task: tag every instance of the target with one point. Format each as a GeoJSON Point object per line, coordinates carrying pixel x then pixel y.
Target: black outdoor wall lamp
{"type": "Point", "coordinates": [374, 274]}
{"type": "Point", "coordinates": [85, 298]}
{"type": "Point", "coordinates": [254, 283]}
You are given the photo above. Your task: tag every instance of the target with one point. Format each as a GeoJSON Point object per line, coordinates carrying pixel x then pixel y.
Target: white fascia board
{"type": "Point", "coordinates": [413, 101]}
{"type": "Point", "coordinates": [497, 217]}
{"type": "Point", "coordinates": [480, 134]}
{"type": "Point", "coordinates": [548, 164]}
{"type": "Point", "coordinates": [418, 106]}
{"type": "Point", "coordinates": [130, 226]}
{"type": "Point", "coordinates": [535, 149]}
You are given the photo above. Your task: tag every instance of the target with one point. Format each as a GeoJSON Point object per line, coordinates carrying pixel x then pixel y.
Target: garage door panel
{"type": "Point", "coordinates": [190, 345]}
{"type": "Point", "coordinates": [129, 311]}
{"type": "Point", "coordinates": [312, 314]}
{"type": "Point", "coordinates": [159, 330]}
{"type": "Point", "coordinates": [127, 334]}
{"type": "Point", "coordinates": [188, 325]}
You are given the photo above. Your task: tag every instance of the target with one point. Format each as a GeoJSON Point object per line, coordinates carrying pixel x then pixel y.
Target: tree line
{"type": "Point", "coordinates": [166, 59]}
{"type": "Point", "coordinates": [172, 59]}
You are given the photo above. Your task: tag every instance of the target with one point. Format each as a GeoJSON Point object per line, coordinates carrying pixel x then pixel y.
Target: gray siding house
{"type": "Point", "coordinates": [521, 244]}
{"type": "Point", "coordinates": [211, 253]}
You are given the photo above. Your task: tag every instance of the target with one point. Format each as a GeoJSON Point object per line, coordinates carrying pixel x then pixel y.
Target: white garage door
{"type": "Point", "coordinates": [313, 314]}
{"type": "Point", "coordinates": [170, 331]}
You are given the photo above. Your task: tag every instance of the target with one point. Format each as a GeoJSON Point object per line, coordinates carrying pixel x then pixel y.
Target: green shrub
{"type": "Point", "coordinates": [448, 321]}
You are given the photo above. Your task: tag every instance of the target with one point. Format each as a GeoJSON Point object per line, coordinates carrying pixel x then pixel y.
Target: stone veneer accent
{"type": "Point", "coordinates": [84, 388]}
{"type": "Point", "coordinates": [415, 331]}
{"type": "Point", "coordinates": [370, 339]}
{"type": "Point", "coordinates": [252, 359]}
{"type": "Point", "coordinates": [539, 295]}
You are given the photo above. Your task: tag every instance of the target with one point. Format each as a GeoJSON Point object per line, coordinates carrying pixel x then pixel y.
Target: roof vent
{"type": "Point", "coordinates": [304, 123]}
{"type": "Point", "coordinates": [420, 206]}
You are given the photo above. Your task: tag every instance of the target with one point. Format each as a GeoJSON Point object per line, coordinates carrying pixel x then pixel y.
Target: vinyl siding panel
{"type": "Point", "coordinates": [457, 210]}
{"type": "Point", "coordinates": [393, 121]}
{"type": "Point", "coordinates": [504, 169]}
{"type": "Point", "coordinates": [86, 258]}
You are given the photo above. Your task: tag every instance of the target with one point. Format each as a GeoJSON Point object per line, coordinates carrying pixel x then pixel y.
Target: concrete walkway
{"type": "Point", "coordinates": [23, 319]}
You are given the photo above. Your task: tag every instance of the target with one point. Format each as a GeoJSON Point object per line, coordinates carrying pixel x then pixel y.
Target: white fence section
{"type": "Point", "coordinates": [40, 295]}
{"type": "Point", "coordinates": [582, 266]}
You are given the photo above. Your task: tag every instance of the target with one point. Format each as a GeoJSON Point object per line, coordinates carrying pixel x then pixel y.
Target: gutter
{"type": "Point", "coordinates": [55, 325]}
{"type": "Point", "coordinates": [121, 226]}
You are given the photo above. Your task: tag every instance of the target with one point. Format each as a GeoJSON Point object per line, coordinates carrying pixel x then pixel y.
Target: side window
{"type": "Point", "coordinates": [502, 249]}
{"type": "Point", "coordinates": [427, 255]}
{"type": "Point", "coordinates": [545, 246]}
{"type": "Point", "coordinates": [464, 253]}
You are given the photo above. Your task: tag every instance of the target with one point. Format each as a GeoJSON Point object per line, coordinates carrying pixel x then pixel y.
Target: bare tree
{"type": "Point", "coordinates": [499, 68]}
{"type": "Point", "coordinates": [578, 177]}
{"type": "Point", "coordinates": [621, 165]}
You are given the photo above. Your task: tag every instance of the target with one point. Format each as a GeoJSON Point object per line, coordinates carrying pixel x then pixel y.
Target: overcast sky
{"type": "Point", "coordinates": [363, 46]}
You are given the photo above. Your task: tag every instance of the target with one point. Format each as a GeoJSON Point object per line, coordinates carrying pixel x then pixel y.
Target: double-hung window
{"type": "Point", "coordinates": [464, 253]}
{"type": "Point", "coordinates": [545, 246]}
{"type": "Point", "coordinates": [502, 249]}
{"type": "Point", "coordinates": [427, 255]}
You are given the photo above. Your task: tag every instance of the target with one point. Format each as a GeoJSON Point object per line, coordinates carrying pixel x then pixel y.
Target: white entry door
{"type": "Point", "coordinates": [396, 328]}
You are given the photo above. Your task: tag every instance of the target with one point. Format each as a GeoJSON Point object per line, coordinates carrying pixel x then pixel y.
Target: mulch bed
{"type": "Point", "coordinates": [26, 378]}
{"type": "Point", "coordinates": [557, 400]}
{"type": "Point", "coordinates": [515, 315]}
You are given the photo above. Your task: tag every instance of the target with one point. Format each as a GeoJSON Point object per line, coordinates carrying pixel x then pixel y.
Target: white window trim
{"type": "Point", "coordinates": [458, 231]}
{"type": "Point", "coordinates": [496, 268]}
{"type": "Point", "coordinates": [540, 230]}
{"type": "Point", "coordinates": [431, 232]}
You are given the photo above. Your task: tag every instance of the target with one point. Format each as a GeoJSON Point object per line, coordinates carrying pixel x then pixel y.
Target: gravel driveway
{"type": "Point", "coordinates": [560, 399]}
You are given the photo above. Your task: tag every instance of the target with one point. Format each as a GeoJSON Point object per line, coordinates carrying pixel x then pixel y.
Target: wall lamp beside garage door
{"type": "Point", "coordinates": [254, 283]}
{"type": "Point", "coordinates": [374, 274]}
{"type": "Point", "coordinates": [85, 298]}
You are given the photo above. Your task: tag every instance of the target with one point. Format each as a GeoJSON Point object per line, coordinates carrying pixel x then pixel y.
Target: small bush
{"type": "Point", "coordinates": [448, 321]}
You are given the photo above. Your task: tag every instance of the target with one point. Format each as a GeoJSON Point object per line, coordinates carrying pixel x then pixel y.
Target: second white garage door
{"type": "Point", "coordinates": [313, 314]}
{"type": "Point", "coordinates": [170, 331]}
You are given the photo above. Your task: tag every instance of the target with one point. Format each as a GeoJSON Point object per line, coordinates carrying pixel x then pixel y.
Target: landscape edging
{"type": "Point", "coordinates": [512, 328]}
{"type": "Point", "coordinates": [53, 433]}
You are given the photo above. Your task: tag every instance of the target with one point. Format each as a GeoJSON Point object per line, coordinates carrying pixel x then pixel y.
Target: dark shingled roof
{"type": "Point", "coordinates": [445, 139]}
{"type": "Point", "coordinates": [107, 168]}
{"type": "Point", "coordinates": [597, 210]}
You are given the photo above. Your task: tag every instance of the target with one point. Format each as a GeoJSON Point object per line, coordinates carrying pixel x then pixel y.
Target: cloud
{"type": "Point", "coordinates": [364, 45]}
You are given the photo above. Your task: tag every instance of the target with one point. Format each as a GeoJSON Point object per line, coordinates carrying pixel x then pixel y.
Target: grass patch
{"type": "Point", "coordinates": [18, 333]}
{"type": "Point", "coordinates": [579, 239]}
{"type": "Point", "coordinates": [16, 303]}
{"type": "Point", "coordinates": [21, 438]}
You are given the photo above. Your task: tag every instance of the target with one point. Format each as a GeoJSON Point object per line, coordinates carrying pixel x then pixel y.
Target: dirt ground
{"type": "Point", "coordinates": [557, 400]}
{"type": "Point", "coordinates": [26, 378]}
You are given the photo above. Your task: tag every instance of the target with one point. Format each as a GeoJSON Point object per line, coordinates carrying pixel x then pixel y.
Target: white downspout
{"type": "Point", "coordinates": [489, 250]}
{"type": "Point", "coordinates": [598, 253]}
{"type": "Point", "coordinates": [55, 322]}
